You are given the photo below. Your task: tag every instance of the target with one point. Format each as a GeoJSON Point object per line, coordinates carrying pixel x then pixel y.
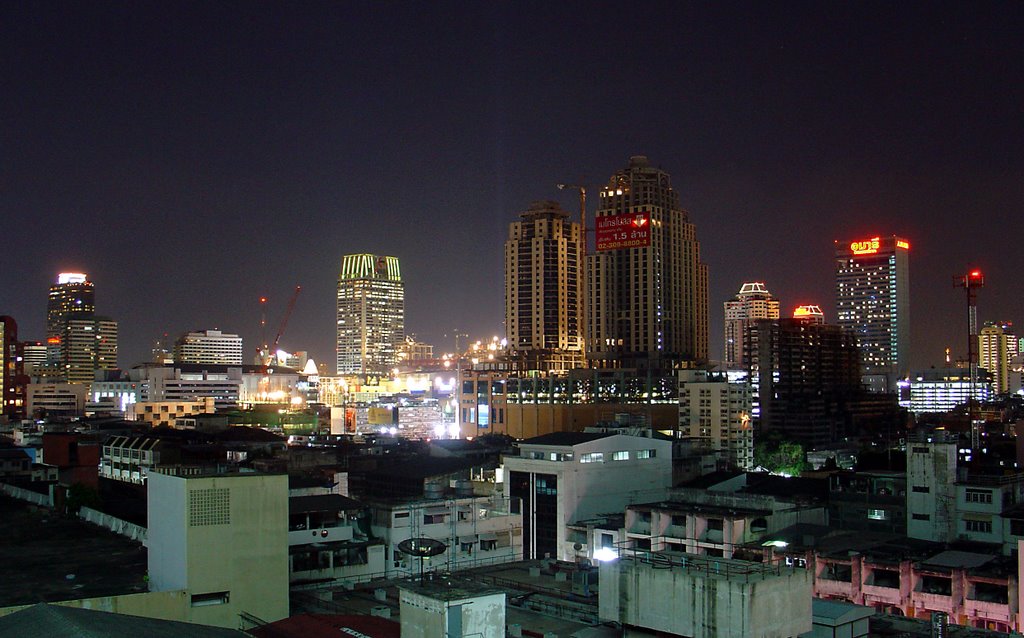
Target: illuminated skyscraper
{"type": "Point", "coordinates": [753, 302]}
{"type": "Point", "coordinates": [88, 344]}
{"type": "Point", "coordinates": [543, 288]}
{"type": "Point", "coordinates": [873, 300]}
{"type": "Point", "coordinates": [647, 289]}
{"type": "Point", "coordinates": [371, 314]}
{"type": "Point", "coordinates": [997, 345]}
{"type": "Point", "coordinates": [78, 342]}
{"type": "Point", "coordinates": [73, 295]}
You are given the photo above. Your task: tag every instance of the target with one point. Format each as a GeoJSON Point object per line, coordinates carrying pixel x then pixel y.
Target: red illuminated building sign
{"type": "Point", "coordinates": [632, 230]}
{"type": "Point", "coordinates": [872, 246]}
{"type": "Point", "coordinates": [865, 247]}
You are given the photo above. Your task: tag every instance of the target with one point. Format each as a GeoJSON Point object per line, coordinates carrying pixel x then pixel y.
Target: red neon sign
{"type": "Point", "coordinates": [631, 230]}
{"type": "Point", "coordinates": [865, 247]}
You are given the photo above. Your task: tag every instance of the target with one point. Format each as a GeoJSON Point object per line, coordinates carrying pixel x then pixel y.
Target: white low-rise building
{"type": "Point", "coordinates": [478, 530]}
{"type": "Point", "coordinates": [329, 539]}
{"type": "Point", "coordinates": [567, 477]}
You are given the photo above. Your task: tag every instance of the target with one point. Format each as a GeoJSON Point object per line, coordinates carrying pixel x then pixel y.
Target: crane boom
{"type": "Point", "coordinates": [285, 318]}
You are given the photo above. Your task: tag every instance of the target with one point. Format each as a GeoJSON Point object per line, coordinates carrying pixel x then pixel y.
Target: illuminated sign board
{"type": "Point", "coordinates": [382, 416]}
{"type": "Point", "coordinates": [865, 247]}
{"type": "Point", "coordinates": [905, 245]}
{"type": "Point", "coordinates": [631, 230]}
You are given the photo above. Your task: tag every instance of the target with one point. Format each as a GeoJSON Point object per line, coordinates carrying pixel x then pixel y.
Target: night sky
{"type": "Point", "coordinates": [192, 157]}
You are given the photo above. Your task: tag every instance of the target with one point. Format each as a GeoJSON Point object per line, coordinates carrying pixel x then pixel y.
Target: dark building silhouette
{"type": "Point", "coordinates": [12, 376]}
{"type": "Point", "coordinates": [807, 378]}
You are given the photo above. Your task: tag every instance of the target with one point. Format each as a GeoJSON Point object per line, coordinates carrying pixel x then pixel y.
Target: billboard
{"type": "Point", "coordinates": [630, 230]}
{"type": "Point", "coordinates": [382, 416]}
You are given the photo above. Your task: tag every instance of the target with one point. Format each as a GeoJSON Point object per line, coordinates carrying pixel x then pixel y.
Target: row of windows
{"type": "Point", "coordinates": [978, 496]}
{"type": "Point", "coordinates": [622, 455]}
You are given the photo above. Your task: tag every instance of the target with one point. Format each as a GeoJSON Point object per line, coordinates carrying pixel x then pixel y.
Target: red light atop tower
{"type": "Point", "coordinates": [975, 274]}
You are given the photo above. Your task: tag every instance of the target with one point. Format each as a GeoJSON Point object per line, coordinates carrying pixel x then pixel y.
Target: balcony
{"type": "Point", "coordinates": [320, 535]}
{"type": "Point", "coordinates": [640, 527]}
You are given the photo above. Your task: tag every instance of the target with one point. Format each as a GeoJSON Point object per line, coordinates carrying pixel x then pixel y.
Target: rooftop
{"type": "Point", "coordinates": [55, 621]}
{"type": "Point", "coordinates": [449, 587]}
{"type": "Point", "coordinates": [333, 625]}
{"type": "Point", "coordinates": [322, 503]}
{"type": "Point", "coordinates": [566, 438]}
{"type": "Point", "coordinates": [42, 569]}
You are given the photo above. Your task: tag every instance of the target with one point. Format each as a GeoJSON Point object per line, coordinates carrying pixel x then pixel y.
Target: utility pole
{"type": "Point", "coordinates": [970, 282]}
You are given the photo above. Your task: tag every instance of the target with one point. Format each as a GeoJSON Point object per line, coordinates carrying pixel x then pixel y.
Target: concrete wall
{"type": "Point", "coordinates": [223, 535]}
{"type": "Point", "coordinates": [165, 605]}
{"type": "Point", "coordinates": [43, 500]}
{"type": "Point", "coordinates": [707, 599]}
{"type": "Point", "coordinates": [116, 525]}
{"type": "Point", "coordinates": [424, 616]}
{"type": "Point", "coordinates": [167, 539]}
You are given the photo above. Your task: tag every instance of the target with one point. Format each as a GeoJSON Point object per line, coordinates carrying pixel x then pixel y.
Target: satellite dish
{"type": "Point", "coordinates": [423, 547]}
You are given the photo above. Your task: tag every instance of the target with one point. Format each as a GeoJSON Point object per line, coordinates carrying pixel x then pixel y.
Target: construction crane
{"type": "Point", "coordinates": [265, 354]}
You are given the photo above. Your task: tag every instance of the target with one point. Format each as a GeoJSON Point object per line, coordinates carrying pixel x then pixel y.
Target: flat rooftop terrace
{"type": "Point", "coordinates": [47, 558]}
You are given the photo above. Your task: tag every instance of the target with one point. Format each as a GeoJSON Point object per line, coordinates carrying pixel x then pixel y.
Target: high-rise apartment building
{"type": "Point", "coordinates": [806, 375]}
{"type": "Point", "coordinates": [717, 412]}
{"type": "Point", "coordinates": [88, 344]}
{"type": "Point", "coordinates": [751, 303]}
{"type": "Point", "coordinates": [12, 371]}
{"type": "Point", "coordinates": [997, 345]}
{"type": "Point", "coordinates": [647, 290]}
{"type": "Point", "coordinates": [543, 288]}
{"type": "Point", "coordinates": [371, 314]}
{"type": "Point", "coordinates": [873, 300]}
{"type": "Point", "coordinates": [73, 295]}
{"type": "Point", "coordinates": [208, 346]}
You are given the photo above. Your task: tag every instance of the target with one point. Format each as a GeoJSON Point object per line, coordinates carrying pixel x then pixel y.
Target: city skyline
{"type": "Point", "coordinates": [245, 160]}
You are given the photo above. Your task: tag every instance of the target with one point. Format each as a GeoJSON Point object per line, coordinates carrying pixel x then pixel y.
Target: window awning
{"type": "Point", "coordinates": [434, 511]}
{"type": "Point", "coordinates": [488, 536]}
{"type": "Point", "coordinates": [467, 540]}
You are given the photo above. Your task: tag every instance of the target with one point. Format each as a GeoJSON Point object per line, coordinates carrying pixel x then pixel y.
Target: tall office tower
{"type": "Point", "coordinates": [873, 300]}
{"type": "Point", "coordinates": [88, 344]}
{"type": "Point", "coordinates": [73, 295]}
{"type": "Point", "coordinates": [647, 290]}
{"type": "Point", "coordinates": [543, 288]}
{"type": "Point", "coordinates": [997, 345]}
{"type": "Point", "coordinates": [12, 371]}
{"type": "Point", "coordinates": [751, 303]}
{"type": "Point", "coordinates": [371, 314]}
{"type": "Point", "coordinates": [208, 346]}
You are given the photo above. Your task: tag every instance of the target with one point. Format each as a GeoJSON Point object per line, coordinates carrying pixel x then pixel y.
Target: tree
{"type": "Point", "coordinates": [79, 495]}
{"type": "Point", "coordinates": [781, 457]}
